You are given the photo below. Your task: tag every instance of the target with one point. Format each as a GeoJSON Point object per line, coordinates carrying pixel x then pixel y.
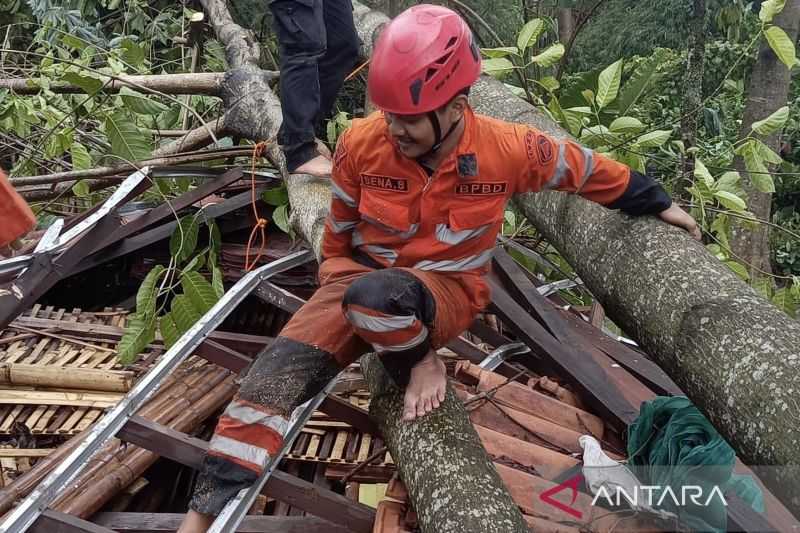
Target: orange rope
{"type": "Point", "coordinates": [357, 70]}
{"type": "Point", "coordinates": [261, 223]}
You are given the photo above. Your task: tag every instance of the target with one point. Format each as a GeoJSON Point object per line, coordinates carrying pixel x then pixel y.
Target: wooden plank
{"type": "Point", "coordinates": [57, 522]}
{"type": "Point", "coordinates": [345, 411]}
{"type": "Point", "coordinates": [591, 378]}
{"type": "Point", "coordinates": [45, 419]}
{"type": "Point", "coordinates": [73, 419]}
{"type": "Point", "coordinates": [313, 447]}
{"type": "Point", "coordinates": [11, 418]}
{"type": "Point", "coordinates": [189, 451]}
{"type": "Point", "coordinates": [572, 331]}
{"type": "Point", "coordinates": [338, 446]}
{"type": "Point", "coordinates": [26, 452]}
{"type": "Point", "coordinates": [363, 450]}
{"type": "Point", "coordinates": [169, 522]}
{"type": "Point", "coordinates": [77, 399]}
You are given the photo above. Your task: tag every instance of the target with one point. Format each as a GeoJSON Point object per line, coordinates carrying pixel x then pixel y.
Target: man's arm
{"type": "Point", "coordinates": [567, 166]}
{"type": "Point", "coordinates": [343, 216]}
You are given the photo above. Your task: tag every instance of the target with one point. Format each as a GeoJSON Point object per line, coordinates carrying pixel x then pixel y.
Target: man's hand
{"type": "Point", "coordinates": [678, 217]}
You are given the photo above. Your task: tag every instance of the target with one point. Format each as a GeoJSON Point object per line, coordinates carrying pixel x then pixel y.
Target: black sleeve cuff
{"type": "Point", "coordinates": [642, 197]}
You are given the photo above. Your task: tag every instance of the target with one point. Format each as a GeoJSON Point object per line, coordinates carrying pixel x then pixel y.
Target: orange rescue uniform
{"type": "Point", "coordinates": [16, 218]}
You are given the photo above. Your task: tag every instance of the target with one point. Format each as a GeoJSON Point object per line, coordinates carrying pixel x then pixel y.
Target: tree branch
{"type": "Point", "coordinates": [201, 83]}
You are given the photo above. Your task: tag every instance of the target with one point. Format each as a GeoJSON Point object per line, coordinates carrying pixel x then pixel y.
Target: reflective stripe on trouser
{"type": "Point", "coordinates": [251, 429]}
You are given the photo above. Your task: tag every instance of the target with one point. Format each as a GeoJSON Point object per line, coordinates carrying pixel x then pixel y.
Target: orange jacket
{"type": "Point", "coordinates": [16, 218]}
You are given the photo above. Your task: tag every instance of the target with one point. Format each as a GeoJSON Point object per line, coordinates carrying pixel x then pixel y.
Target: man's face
{"type": "Point", "coordinates": [413, 134]}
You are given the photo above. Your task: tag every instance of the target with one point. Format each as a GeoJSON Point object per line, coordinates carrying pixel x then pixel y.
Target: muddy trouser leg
{"type": "Point", "coordinates": [310, 351]}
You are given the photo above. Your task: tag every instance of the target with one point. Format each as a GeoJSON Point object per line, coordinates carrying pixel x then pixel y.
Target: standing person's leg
{"type": "Point", "coordinates": [406, 315]}
{"type": "Point", "coordinates": [300, 29]}
{"type": "Point", "coordinates": [310, 351]}
{"type": "Point", "coordinates": [341, 55]}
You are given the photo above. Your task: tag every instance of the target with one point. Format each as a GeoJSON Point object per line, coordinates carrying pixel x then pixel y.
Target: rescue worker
{"type": "Point", "coordinates": [318, 47]}
{"type": "Point", "coordinates": [16, 218]}
{"type": "Point", "coordinates": [419, 191]}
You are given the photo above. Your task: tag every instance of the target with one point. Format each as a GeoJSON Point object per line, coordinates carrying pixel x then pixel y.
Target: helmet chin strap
{"type": "Point", "coordinates": [437, 133]}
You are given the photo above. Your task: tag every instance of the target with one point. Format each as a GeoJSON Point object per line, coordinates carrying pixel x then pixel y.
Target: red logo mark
{"type": "Point", "coordinates": [572, 483]}
{"type": "Point", "coordinates": [545, 149]}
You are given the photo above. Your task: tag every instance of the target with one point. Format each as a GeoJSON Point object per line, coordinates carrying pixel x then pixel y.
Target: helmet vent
{"type": "Point", "coordinates": [415, 90]}
{"type": "Point", "coordinates": [451, 42]}
{"type": "Point", "coordinates": [430, 73]}
{"type": "Point", "coordinates": [442, 60]}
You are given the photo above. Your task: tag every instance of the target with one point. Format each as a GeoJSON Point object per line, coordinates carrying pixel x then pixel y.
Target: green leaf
{"type": "Point", "coordinates": [549, 83]}
{"type": "Point", "coordinates": [643, 77]}
{"type": "Point", "coordinates": [588, 95]}
{"type": "Point", "coordinates": [608, 84]}
{"type": "Point", "coordinates": [196, 263]}
{"type": "Point", "coordinates": [89, 84]}
{"type": "Point", "coordinates": [700, 171]}
{"type": "Point", "coordinates": [529, 34]}
{"type": "Point", "coordinates": [781, 45]}
{"type": "Point", "coordinates": [722, 229]}
{"type": "Point", "coordinates": [281, 217]}
{"type": "Point", "coordinates": [496, 66]}
{"type": "Point", "coordinates": [626, 125]}
{"type": "Point", "coordinates": [730, 200]}
{"type": "Point", "coordinates": [169, 330]}
{"type": "Point", "coordinates": [596, 135]}
{"type": "Point", "coordinates": [183, 241]}
{"type": "Point", "coordinates": [769, 9]}
{"type": "Point", "coordinates": [766, 153]}
{"type": "Point", "coordinates": [127, 140]}
{"type": "Point", "coordinates": [217, 281]}
{"type": "Point", "coordinates": [146, 295]}
{"type": "Point", "coordinates": [753, 161]}
{"type": "Point", "coordinates": [141, 104]}
{"type": "Point", "coordinates": [739, 269]}
{"type": "Point", "coordinates": [199, 291]}
{"type": "Point", "coordinates": [184, 313]}
{"type": "Point", "coordinates": [502, 51]}
{"type": "Point", "coordinates": [772, 123]}
{"type": "Point", "coordinates": [277, 196]}
{"type": "Point", "coordinates": [70, 41]}
{"type": "Point", "coordinates": [549, 56]}
{"type": "Point", "coordinates": [139, 332]}
{"type": "Point", "coordinates": [214, 242]}
{"type": "Point", "coordinates": [729, 182]}
{"type": "Point", "coordinates": [81, 160]}
{"type": "Point", "coordinates": [653, 139]}
{"type": "Point", "coordinates": [133, 54]}
{"type": "Point", "coordinates": [81, 189]}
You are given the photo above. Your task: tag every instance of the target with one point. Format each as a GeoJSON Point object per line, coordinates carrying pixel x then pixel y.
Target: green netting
{"type": "Point", "coordinates": [671, 444]}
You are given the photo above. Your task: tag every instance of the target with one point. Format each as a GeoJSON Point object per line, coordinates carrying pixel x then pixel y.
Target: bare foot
{"type": "Point", "coordinates": [195, 522]}
{"type": "Point", "coordinates": [323, 149]}
{"type": "Point", "coordinates": [425, 390]}
{"type": "Point", "coordinates": [319, 166]}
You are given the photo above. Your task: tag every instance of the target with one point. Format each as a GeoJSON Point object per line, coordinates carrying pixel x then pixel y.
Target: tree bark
{"type": "Point", "coordinates": [692, 92]}
{"type": "Point", "coordinates": [767, 91]}
{"type": "Point", "coordinates": [734, 354]}
{"type": "Point", "coordinates": [566, 23]}
{"type": "Point", "coordinates": [199, 83]}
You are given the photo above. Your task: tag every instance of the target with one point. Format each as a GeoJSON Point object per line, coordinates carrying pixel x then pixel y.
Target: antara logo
{"type": "Point", "coordinates": [653, 496]}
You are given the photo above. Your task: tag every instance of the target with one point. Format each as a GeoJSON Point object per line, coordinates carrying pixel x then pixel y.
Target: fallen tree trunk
{"type": "Point", "coordinates": [452, 482]}
{"type": "Point", "coordinates": [734, 354]}
{"type": "Point", "coordinates": [200, 83]}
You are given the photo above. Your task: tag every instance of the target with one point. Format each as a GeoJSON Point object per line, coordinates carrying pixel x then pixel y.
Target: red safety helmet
{"type": "Point", "coordinates": [422, 59]}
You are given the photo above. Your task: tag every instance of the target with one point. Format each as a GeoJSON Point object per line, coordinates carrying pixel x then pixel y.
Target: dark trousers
{"type": "Point", "coordinates": [319, 47]}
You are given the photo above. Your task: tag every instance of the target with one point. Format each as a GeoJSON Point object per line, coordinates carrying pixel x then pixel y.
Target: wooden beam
{"type": "Point", "coordinates": [169, 522]}
{"type": "Point", "coordinates": [279, 297]}
{"type": "Point", "coordinates": [52, 521]}
{"type": "Point", "coordinates": [591, 378]}
{"type": "Point", "coordinates": [223, 356]}
{"type": "Point", "coordinates": [339, 409]}
{"type": "Point", "coordinates": [298, 493]}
